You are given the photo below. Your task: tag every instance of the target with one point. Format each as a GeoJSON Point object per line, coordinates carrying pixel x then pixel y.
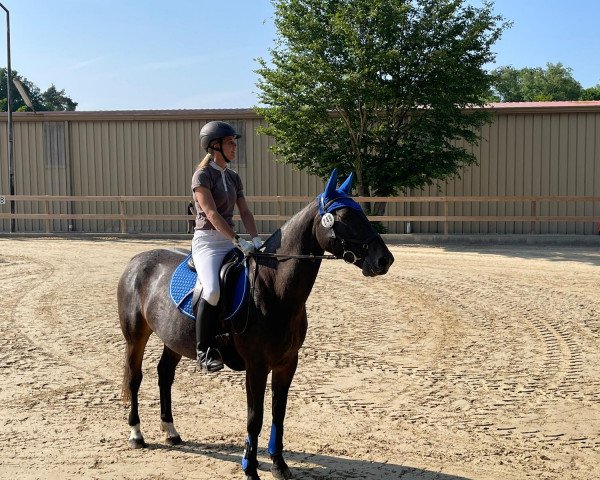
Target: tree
{"type": "Point", "coordinates": [554, 83]}
{"type": "Point", "coordinates": [378, 87]}
{"type": "Point", "coordinates": [50, 100]}
{"type": "Point", "coordinates": [55, 100]}
{"type": "Point", "coordinates": [592, 93]}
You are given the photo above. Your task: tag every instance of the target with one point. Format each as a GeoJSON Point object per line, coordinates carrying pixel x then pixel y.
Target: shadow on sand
{"type": "Point", "coordinates": [308, 466]}
{"type": "Point", "coordinates": [553, 253]}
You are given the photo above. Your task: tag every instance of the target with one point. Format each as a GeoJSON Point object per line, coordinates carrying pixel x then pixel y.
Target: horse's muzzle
{"type": "Point", "coordinates": [379, 265]}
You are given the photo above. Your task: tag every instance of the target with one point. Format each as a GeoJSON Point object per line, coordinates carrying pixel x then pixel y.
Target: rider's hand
{"type": "Point", "coordinates": [257, 242]}
{"type": "Point", "coordinates": [244, 245]}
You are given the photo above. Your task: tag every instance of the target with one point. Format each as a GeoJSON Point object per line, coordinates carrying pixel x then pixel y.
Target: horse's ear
{"type": "Point", "coordinates": [347, 185]}
{"type": "Point", "coordinates": [331, 184]}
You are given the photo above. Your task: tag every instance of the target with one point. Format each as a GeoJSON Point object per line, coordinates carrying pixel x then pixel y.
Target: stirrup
{"type": "Point", "coordinates": [209, 364]}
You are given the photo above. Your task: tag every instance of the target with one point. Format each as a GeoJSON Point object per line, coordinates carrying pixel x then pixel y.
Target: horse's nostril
{"type": "Point", "coordinates": [383, 263]}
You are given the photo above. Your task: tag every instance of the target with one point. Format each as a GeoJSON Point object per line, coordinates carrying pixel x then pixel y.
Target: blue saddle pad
{"type": "Point", "coordinates": [183, 281]}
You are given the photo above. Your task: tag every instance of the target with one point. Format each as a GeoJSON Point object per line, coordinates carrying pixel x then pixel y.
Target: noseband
{"type": "Point", "coordinates": [349, 255]}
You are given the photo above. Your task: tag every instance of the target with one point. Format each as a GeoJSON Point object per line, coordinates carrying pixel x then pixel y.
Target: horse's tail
{"type": "Point", "coordinates": [134, 328]}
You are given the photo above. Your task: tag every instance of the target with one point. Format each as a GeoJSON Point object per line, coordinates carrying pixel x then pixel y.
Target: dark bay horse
{"type": "Point", "coordinates": [282, 277]}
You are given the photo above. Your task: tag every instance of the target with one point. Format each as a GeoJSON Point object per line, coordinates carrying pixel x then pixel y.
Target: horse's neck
{"type": "Point", "coordinates": [294, 278]}
{"type": "Point", "coordinates": [298, 236]}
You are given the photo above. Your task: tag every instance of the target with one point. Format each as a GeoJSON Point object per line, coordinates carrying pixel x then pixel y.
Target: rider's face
{"type": "Point", "coordinates": [229, 146]}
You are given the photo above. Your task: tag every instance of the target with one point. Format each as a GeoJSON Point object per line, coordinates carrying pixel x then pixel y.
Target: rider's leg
{"type": "Point", "coordinates": [208, 249]}
{"type": "Point", "coordinates": [209, 359]}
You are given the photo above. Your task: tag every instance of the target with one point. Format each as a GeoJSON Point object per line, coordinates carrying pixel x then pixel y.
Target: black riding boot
{"type": "Point", "coordinates": [209, 359]}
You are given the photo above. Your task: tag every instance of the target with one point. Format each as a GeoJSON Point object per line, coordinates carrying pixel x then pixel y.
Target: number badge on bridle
{"type": "Point", "coordinates": [327, 220]}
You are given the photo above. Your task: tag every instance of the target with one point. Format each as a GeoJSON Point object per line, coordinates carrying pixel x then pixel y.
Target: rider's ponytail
{"type": "Point", "coordinates": [205, 161]}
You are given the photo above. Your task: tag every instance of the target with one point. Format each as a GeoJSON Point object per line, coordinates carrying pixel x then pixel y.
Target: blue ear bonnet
{"type": "Point", "coordinates": [333, 199]}
{"type": "Point", "coordinates": [331, 205]}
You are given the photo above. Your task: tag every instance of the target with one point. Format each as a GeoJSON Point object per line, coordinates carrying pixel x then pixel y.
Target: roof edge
{"type": "Point", "coordinates": [140, 115]}
{"type": "Point", "coordinates": [545, 107]}
{"type": "Point", "coordinates": [248, 113]}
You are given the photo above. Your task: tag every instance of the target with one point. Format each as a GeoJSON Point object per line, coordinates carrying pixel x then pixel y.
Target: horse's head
{"type": "Point", "coordinates": [344, 230]}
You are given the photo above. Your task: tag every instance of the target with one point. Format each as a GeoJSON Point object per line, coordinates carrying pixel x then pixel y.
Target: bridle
{"type": "Point", "coordinates": [349, 255]}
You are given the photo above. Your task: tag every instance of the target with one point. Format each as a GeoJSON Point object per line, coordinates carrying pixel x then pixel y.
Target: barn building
{"type": "Point", "coordinates": [530, 150]}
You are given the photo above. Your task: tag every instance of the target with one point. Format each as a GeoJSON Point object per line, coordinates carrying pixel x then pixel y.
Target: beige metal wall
{"type": "Point", "coordinates": [544, 149]}
{"type": "Point", "coordinates": [134, 153]}
{"type": "Point", "coordinates": [529, 150]}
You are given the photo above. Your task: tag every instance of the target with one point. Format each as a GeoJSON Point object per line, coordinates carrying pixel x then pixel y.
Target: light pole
{"type": "Point", "coordinates": [11, 164]}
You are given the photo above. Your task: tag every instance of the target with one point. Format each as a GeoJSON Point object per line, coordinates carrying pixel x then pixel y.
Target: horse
{"type": "Point", "coordinates": [190, 210]}
{"type": "Point", "coordinates": [282, 275]}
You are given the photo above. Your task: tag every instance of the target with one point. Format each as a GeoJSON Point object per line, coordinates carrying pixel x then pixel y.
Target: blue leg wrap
{"type": "Point", "coordinates": [273, 440]}
{"type": "Point", "coordinates": [247, 452]}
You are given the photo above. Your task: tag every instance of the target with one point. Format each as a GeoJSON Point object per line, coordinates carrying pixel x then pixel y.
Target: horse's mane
{"type": "Point", "coordinates": [292, 229]}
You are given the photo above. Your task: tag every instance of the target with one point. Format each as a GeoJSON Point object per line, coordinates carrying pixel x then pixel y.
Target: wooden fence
{"type": "Point", "coordinates": [48, 215]}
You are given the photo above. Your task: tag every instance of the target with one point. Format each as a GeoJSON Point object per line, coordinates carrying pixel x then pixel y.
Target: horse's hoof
{"type": "Point", "coordinates": [279, 468]}
{"type": "Point", "coordinates": [174, 441]}
{"type": "Point", "coordinates": [281, 473]}
{"type": "Point", "coordinates": [136, 443]}
{"type": "Point", "coordinates": [252, 475]}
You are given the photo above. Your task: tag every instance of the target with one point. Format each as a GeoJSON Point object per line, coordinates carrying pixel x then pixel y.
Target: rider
{"type": "Point", "coordinates": [217, 190]}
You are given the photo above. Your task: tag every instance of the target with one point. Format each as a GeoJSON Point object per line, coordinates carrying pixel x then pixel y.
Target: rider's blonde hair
{"type": "Point", "coordinates": [205, 161]}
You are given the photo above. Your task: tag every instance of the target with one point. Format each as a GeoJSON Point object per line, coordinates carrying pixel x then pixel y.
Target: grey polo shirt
{"type": "Point", "coordinates": [225, 186]}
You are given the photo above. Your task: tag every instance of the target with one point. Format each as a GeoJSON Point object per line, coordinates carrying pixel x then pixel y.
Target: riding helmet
{"type": "Point", "coordinates": [215, 130]}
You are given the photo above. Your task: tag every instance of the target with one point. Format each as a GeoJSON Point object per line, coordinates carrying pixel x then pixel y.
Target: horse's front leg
{"type": "Point", "coordinates": [166, 375]}
{"type": "Point", "coordinates": [281, 381]}
{"type": "Point", "coordinates": [256, 384]}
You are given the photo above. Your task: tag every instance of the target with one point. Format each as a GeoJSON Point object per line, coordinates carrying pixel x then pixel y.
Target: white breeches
{"type": "Point", "coordinates": [209, 247]}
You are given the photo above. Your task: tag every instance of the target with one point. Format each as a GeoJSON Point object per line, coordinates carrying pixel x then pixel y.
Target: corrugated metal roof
{"type": "Point", "coordinates": [191, 114]}
{"type": "Point", "coordinates": [579, 103]}
{"type": "Point", "coordinates": [526, 107]}
{"type": "Point", "coordinates": [247, 113]}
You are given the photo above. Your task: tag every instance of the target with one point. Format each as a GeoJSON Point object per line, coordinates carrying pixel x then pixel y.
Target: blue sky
{"type": "Point", "coordinates": [172, 54]}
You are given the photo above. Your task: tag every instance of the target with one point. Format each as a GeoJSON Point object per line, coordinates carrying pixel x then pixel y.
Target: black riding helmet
{"type": "Point", "coordinates": [216, 131]}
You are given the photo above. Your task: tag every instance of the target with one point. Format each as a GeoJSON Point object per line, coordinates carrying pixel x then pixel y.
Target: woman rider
{"type": "Point", "coordinates": [217, 190]}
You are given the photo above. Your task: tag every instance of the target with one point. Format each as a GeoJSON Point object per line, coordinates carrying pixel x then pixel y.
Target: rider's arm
{"type": "Point", "coordinates": [247, 217]}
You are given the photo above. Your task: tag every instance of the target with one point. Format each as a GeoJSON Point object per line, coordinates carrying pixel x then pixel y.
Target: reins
{"type": "Point", "coordinates": [279, 257]}
{"type": "Point", "coordinates": [285, 256]}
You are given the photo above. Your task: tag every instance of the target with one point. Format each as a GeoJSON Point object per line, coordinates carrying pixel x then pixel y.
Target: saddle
{"type": "Point", "coordinates": [233, 278]}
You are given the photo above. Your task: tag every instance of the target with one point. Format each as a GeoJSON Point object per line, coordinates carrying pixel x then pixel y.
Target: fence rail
{"type": "Point", "coordinates": [123, 217]}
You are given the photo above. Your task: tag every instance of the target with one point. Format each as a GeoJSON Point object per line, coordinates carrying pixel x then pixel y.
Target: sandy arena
{"type": "Point", "coordinates": [464, 362]}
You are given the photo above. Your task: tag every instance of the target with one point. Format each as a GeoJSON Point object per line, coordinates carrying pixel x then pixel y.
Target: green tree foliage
{"type": "Point", "coordinates": [378, 87]}
{"type": "Point", "coordinates": [50, 100]}
{"type": "Point", "coordinates": [57, 100]}
{"type": "Point", "coordinates": [592, 93]}
{"type": "Point", "coordinates": [553, 83]}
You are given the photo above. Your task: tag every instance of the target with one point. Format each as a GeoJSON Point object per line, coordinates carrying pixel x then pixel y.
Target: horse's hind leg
{"type": "Point", "coordinates": [166, 375]}
{"type": "Point", "coordinates": [136, 335]}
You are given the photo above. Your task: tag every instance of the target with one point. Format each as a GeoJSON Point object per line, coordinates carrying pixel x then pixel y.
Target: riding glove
{"type": "Point", "coordinates": [244, 245]}
{"type": "Point", "coordinates": [257, 242]}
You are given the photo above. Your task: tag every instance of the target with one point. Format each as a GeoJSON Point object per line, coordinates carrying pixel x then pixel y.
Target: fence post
{"type": "Point", "coordinates": [47, 208]}
{"type": "Point", "coordinates": [122, 211]}
{"type": "Point", "coordinates": [279, 204]}
{"type": "Point", "coordinates": [532, 228]}
{"type": "Point", "coordinates": [445, 217]}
